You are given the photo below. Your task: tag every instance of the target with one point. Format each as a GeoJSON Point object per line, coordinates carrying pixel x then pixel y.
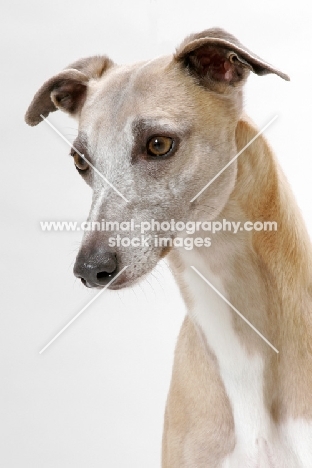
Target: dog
{"type": "Point", "coordinates": [166, 135]}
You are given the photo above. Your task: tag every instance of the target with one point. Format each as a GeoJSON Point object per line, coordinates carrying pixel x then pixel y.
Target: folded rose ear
{"type": "Point", "coordinates": [66, 90]}
{"type": "Point", "coordinates": [217, 59]}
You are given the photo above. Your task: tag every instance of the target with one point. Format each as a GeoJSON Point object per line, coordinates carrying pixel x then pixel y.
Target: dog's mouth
{"type": "Point", "coordinates": [116, 277]}
{"type": "Point", "coordinates": [115, 286]}
{"type": "Point", "coordinates": [105, 280]}
{"type": "Point", "coordinates": [106, 270]}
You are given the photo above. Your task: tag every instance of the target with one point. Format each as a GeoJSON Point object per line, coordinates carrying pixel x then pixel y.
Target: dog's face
{"type": "Point", "coordinates": [158, 132]}
{"type": "Point", "coordinates": [158, 144]}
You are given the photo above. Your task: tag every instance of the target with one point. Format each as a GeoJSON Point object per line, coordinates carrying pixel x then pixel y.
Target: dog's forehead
{"type": "Point", "coordinates": [127, 93]}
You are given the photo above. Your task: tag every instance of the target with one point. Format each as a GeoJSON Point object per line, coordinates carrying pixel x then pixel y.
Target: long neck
{"type": "Point", "coordinates": [265, 275]}
{"type": "Point", "coordinates": [284, 256]}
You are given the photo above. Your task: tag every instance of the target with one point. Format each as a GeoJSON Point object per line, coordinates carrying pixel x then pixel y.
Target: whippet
{"type": "Point", "coordinates": [159, 131]}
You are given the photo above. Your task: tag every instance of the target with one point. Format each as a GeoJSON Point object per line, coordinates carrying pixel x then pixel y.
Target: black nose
{"type": "Point", "coordinates": [96, 268]}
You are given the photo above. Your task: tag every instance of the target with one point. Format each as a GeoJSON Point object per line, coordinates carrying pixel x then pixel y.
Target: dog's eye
{"type": "Point", "coordinates": [159, 146]}
{"type": "Point", "coordinates": [80, 163]}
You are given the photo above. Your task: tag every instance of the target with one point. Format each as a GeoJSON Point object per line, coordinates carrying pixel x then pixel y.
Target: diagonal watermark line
{"type": "Point", "coordinates": [83, 157]}
{"type": "Point", "coordinates": [235, 310]}
{"type": "Point", "coordinates": [233, 159]}
{"type": "Point", "coordinates": [81, 311]}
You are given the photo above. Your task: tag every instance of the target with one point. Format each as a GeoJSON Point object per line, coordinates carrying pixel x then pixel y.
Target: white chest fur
{"type": "Point", "coordinates": [259, 444]}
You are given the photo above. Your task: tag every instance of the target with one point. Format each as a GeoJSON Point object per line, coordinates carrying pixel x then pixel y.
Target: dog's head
{"type": "Point", "coordinates": [151, 135]}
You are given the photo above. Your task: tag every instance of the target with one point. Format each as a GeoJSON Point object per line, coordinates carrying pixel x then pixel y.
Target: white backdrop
{"type": "Point", "coordinates": [96, 396]}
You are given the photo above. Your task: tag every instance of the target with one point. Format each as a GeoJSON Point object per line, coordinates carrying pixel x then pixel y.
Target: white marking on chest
{"type": "Point", "coordinates": [242, 374]}
{"type": "Point", "coordinates": [297, 433]}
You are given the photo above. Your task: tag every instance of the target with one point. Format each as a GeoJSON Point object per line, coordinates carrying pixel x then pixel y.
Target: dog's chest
{"type": "Point", "coordinates": [259, 443]}
{"type": "Point", "coordinates": [242, 373]}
